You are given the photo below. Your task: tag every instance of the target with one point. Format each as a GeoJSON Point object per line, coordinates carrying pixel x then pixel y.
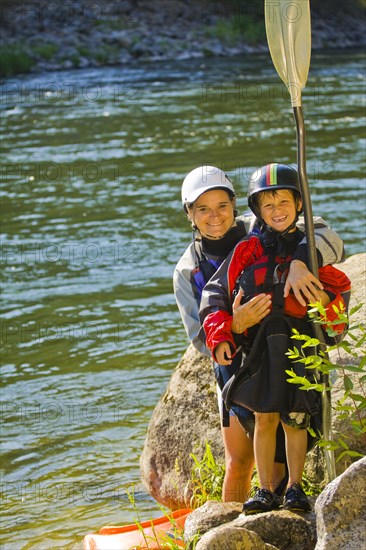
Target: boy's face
{"type": "Point", "coordinates": [278, 210]}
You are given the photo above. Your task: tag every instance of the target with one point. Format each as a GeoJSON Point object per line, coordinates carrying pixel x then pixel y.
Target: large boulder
{"type": "Point", "coordinates": [341, 511]}
{"type": "Point", "coordinates": [187, 416]}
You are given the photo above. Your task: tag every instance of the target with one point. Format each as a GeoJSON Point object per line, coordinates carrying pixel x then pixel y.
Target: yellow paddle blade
{"type": "Point", "coordinates": [288, 31]}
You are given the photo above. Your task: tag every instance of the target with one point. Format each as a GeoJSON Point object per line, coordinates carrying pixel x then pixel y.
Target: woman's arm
{"type": "Point", "coordinates": [305, 286]}
{"type": "Point", "coordinates": [328, 243]}
{"type": "Point", "coordinates": [188, 307]}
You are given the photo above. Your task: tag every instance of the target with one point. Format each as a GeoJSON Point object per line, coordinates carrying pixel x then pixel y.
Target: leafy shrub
{"type": "Point", "coordinates": [14, 60]}
{"type": "Point", "coordinates": [46, 50]}
{"type": "Point", "coordinates": [352, 405]}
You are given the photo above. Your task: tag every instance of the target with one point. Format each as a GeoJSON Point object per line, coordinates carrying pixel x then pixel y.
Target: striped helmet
{"type": "Point", "coordinates": [271, 178]}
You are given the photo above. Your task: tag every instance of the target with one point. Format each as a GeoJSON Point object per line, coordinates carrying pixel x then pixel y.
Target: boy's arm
{"type": "Point", "coordinates": [223, 353]}
{"type": "Point", "coordinates": [216, 310]}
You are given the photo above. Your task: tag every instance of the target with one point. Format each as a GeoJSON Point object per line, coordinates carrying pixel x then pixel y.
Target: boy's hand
{"type": "Point", "coordinates": [303, 283]}
{"type": "Point", "coordinates": [223, 353]}
{"type": "Point", "coordinates": [250, 313]}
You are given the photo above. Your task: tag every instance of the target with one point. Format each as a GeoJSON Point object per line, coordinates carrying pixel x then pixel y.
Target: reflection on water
{"type": "Point", "coordinates": [92, 228]}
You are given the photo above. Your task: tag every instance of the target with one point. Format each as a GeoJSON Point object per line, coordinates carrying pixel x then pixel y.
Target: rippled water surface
{"type": "Point", "coordinates": [92, 228]}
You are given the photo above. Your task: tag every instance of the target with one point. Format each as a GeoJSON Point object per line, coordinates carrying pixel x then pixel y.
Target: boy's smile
{"type": "Point", "coordinates": [279, 209]}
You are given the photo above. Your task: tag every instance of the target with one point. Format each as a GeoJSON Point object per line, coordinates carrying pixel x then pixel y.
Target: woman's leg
{"type": "Point", "coordinates": [239, 462]}
{"type": "Point", "coordinates": [265, 447]}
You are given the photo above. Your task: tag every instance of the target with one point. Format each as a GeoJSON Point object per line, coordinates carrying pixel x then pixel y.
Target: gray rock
{"type": "Point", "coordinates": [228, 537]}
{"type": "Point", "coordinates": [210, 515]}
{"type": "Point", "coordinates": [285, 530]}
{"type": "Point", "coordinates": [121, 38]}
{"type": "Point", "coordinates": [341, 511]}
{"type": "Point", "coordinates": [177, 22]}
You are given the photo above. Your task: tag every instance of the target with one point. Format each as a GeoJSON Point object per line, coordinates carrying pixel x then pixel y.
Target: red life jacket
{"type": "Point", "coordinates": [268, 275]}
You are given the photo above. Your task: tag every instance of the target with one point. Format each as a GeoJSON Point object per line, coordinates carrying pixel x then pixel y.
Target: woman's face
{"type": "Point", "coordinates": [213, 213]}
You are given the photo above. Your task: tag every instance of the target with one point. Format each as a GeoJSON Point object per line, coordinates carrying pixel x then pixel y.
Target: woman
{"type": "Point", "coordinates": [208, 199]}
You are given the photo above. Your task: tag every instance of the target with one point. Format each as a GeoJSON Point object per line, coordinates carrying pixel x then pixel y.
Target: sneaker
{"type": "Point", "coordinates": [262, 501]}
{"type": "Point", "coordinates": [296, 500]}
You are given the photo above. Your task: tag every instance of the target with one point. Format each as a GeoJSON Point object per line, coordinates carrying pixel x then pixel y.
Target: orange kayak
{"type": "Point", "coordinates": [152, 534]}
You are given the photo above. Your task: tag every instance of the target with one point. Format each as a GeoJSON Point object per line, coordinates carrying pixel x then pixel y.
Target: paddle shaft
{"type": "Point", "coordinates": [305, 193]}
{"type": "Point", "coordinates": [288, 28]}
{"type": "Point", "coordinates": [313, 263]}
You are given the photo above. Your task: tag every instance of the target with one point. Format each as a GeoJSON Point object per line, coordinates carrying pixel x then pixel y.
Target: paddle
{"type": "Point", "coordinates": [288, 31]}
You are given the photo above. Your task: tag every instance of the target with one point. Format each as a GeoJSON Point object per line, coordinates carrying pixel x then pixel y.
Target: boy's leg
{"type": "Point", "coordinates": [265, 431]}
{"type": "Point", "coordinates": [265, 447]}
{"type": "Point", "coordinates": [296, 446]}
{"type": "Point", "coordinates": [295, 425]}
{"type": "Point", "coordinates": [239, 462]}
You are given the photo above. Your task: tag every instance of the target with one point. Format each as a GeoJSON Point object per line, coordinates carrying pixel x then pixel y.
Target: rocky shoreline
{"type": "Point", "coordinates": [44, 36]}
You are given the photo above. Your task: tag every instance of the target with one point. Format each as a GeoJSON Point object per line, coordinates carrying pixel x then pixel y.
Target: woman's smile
{"type": "Point", "coordinates": [213, 213]}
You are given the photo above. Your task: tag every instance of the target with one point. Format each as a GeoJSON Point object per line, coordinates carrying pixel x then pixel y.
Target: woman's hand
{"type": "Point", "coordinates": [249, 314]}
{"type": "Point", "coordinates": [303, 283]}
{"type": "Point", "coordinates": [223, 353]}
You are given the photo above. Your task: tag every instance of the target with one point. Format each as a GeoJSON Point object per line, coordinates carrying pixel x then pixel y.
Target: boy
{"type": "Point", "coordinates": [253, 268]}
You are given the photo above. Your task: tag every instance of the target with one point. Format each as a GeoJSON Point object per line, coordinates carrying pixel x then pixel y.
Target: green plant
{"type": "Point", "coordinates": [83, 51]}
{"type": "Point", "coordinates": [351, 406]}
{"type": "Point", "coordinates": [206, 478]}
{"type": "Point", "coordinates": [15, 59]}
{"type": "Point", "coordinates": [106, 54]}
{"type": "Point", "coordinates": [46, 50]}
{"type": "Point", "coordinates": [311, 489]}
{"type": "Point", "coordinates": [244, 25]}
{"type": "Point", "coordinates": [75, 59]}
{"type": "Point", "coordinates": [171, 540]}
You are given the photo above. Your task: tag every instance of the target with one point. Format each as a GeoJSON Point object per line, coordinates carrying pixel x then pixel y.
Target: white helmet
{"type": "Point", "coordinates": [202, 179]}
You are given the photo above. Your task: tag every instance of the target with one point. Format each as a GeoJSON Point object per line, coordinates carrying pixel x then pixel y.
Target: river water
{"type": "Point", "coordinates": [92, 228]}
